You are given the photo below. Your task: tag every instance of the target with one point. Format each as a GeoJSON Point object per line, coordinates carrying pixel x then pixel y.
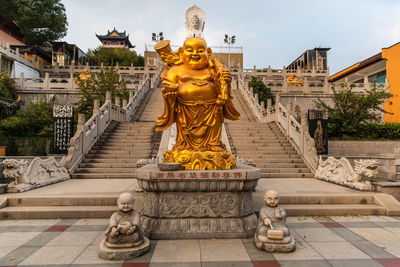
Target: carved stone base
{"type": "Point", "coordinates": [198, 204]}
{"type": "Point", "coordinates": [107, 253]}
{"type": "Point", "coordinates": [187, 228]}
{"type": "Point", "coordinates": [286, 245]}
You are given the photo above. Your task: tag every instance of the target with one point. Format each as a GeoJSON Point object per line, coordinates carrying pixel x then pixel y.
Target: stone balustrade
{"type": "Point", "coordinates": [88, 132]}
{"type": "Point", "coordinates": [295, 132]}
{"type": "Point", "coordinates": [123, 70]}
{"type": "Point", "coordinates": [16, 55]}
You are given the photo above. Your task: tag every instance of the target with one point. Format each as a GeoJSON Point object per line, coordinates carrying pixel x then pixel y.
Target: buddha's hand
{"type": "Point", "coordinates": [267, 221]}
{"type": "Point", "coordinates": [278, 214]}
{"type": "Point", "coordinates": [226, 75]}
{"type": "Point", "coordinates": [131, 230]}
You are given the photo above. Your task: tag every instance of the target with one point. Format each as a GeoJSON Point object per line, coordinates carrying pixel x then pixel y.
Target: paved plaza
{"type": "Point", "coordinates": [321, 241]}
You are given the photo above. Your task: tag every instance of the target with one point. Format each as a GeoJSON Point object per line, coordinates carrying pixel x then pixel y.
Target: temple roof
{"type": "Point", "coordinates": [114, 35]}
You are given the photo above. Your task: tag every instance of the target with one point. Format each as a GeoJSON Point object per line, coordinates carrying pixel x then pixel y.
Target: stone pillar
{"type": "Point", "coordinates": [117, 101]}
{"type": "Point", "coordinates": [262, 111]}
{"type": "Point", "coordinates": [131, 96]}
{"type": "Point", "coordinates": [303, 130]}
{"type": "Point", "coordinates": [81, 122]}
{"type": "Point", "coordinates": [96, 106]}
{"type": "Point", "coordinates": [269, 107]}
{"type": "Point", "coordinates": [277, 100]}
{"type": "Point", "coordinates": [288, 120]}
{"type": "Point", "coordinates": [366, 83]}
{"type": "Point", "coordinates": [46, 81]}
{"type": "Point", "coordinates": [124, 103]}
{"type": "Point", "coordinates": [22, 81]}
{"type": "Point", "coordinates": [108, 96]}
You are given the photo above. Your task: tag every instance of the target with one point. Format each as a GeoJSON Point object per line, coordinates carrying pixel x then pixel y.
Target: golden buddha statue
{"type": "Point", "coordinates": [197, 97]}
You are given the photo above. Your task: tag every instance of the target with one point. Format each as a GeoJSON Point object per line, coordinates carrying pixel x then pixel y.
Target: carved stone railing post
{"type": "Point", "coordinates": [269, 106]}
{"type": "Point", "coordinates": [131, 96]}
{"type": "Point", "coordinates": [96, 106]}
{"type": "Point", "coordinates": [262, 111]}
{"type": "Point", "coordinates": [277, 100]}
{"type": "Point", "coordinates": [22, 81]}
{"type": "Point", "coordinates": [81, 122]}
{"type": "Point", "coordinates": [124, 103]}
{"type": "Point", "coordinates": [303, 132]}
{"type": "Point", "coordinates": [46, 81]}
{"type": "Point", "coordinates": [288, 120]}
{"type": "Point", "coordinates": [117, 101]}
{"type": "Point", "coordinates": [108, 96]}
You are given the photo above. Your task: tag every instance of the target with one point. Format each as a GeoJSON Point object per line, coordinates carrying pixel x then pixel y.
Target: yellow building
{"type": "Point", "coordinates": [379, 69]}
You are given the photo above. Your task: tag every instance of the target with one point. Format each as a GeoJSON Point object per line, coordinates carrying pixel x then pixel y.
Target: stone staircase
{"type": "Point", "coordinates": [115, 154]}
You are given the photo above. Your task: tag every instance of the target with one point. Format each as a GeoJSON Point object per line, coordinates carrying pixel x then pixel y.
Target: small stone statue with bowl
{"type": "Point", "coordinates": [272, 232]}
{"type": "Point", "coordinates": [124, 236]}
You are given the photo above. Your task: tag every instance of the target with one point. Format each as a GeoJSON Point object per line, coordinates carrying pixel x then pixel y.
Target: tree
{"type": "Point", "coordinates": [39, 21]}
{"type": "Point", "coordinates": [351, 110]}
{"type": "Point", "coordinates": [96, 86]}
{"type": "Point", "coordinates": [262, 90]}
{"type": "Point", "coordinates": [112, 56]}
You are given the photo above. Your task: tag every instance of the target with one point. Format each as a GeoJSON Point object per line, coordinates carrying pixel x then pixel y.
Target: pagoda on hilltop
{"type": "Point", "coordinates": [115, 39]}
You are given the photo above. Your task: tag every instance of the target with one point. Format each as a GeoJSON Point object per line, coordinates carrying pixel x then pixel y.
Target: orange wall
{"type": "Point", "coordinates": [392, 56]}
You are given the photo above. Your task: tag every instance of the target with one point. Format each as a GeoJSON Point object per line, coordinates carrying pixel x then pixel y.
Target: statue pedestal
{"type": "Point", "coordinates": [107, 253]}
{"type": "Point", "coordinates": [198, 204]}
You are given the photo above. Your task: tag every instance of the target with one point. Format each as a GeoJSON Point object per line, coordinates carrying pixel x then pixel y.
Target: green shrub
{"type": "Point", "coordinates": [264, 92]}
{"type": "Point", "coordinates": [95, 88]}
{"type": "Point", "coordinates": [7, 87]}
{"type": "Point", "coordinates": [36, 119]}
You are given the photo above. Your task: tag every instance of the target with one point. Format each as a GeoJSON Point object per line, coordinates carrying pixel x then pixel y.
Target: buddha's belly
{"type": "Point", "coordinates": [203, 91]}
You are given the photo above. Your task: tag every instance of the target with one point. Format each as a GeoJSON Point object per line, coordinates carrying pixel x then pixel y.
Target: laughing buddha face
{"type": "Point", "coordinates": [194, 53]}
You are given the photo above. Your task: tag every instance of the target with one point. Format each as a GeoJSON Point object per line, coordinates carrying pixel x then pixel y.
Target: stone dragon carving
{"type": "Point", "coordinates": [38, 173]}
{"type": "Point", "coordinates": [341, 172]}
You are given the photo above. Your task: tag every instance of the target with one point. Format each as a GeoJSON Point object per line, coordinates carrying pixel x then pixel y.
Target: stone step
{"type": "Point", "coordinates": [62, 201]}
{"type": "Point", "coordinates": [285, 170]}
{"type": "Point", "coordinates": [118, 156]}
{"type": "Point", "coordinates": [282, 165]}
{"type": "Point", "coordinates": [108, 165]}
{"type": "Point", "coordinates": [108, 160]}
{"type": "Point", "coordinates": [262, 149]}
{"type": "Point", "coordinates": [54, 212]}
{"type": "Point", "coordinates": [123, 142]}
{"type": "Point", "coordinates": [253, 155]}
{"type": "Point", "coordinates": [277, 160]}
{"type": "Point", "coordinates": [121, 151]}
{"type": "Point", "coordinates": [137, 146]}
{"type": "Point", "coordinates": [103, 175]}
{"type": "Point", "coordinates": [115, 171]}
{"type": "Point", "coordinates": [286, 175]}
{"type": "Point", "coordinates": [333, 209]}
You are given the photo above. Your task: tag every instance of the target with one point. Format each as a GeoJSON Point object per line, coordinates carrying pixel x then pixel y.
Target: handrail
{"type": "Point", "coordinates": [89, 132]}
{"type": "Point", "coordinates": [295, 132]}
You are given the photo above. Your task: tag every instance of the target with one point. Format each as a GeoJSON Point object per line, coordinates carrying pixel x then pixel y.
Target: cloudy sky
{"type": "Point", "coordinates": [272, 33]}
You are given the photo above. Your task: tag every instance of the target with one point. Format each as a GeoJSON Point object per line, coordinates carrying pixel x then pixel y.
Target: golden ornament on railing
{"type": "Point", "coordinates": [197, 97]}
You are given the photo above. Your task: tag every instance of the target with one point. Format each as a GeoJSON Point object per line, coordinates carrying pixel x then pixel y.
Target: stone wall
{"type": "Point", "coordinates": [386, 152]}
{"type": "Point", "coordinates": [301, 103]}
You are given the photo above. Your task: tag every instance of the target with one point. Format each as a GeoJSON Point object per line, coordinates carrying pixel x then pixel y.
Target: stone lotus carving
{"type": "Point", "coordinates": [341, 172]}
{"type": "Point", "coordinates": [38, 173]}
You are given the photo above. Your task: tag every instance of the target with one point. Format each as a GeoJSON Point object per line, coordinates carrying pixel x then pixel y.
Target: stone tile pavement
{"type": "Point", "coordinates": [321, 241]}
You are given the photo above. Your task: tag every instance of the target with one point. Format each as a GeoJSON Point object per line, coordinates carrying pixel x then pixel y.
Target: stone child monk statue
{"type": "Point", "coordinates": [197, 97]}
{"type": "Point", "coordinates": [124, 229]}
{"type": "Point", "coordinates": [272, 232]}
